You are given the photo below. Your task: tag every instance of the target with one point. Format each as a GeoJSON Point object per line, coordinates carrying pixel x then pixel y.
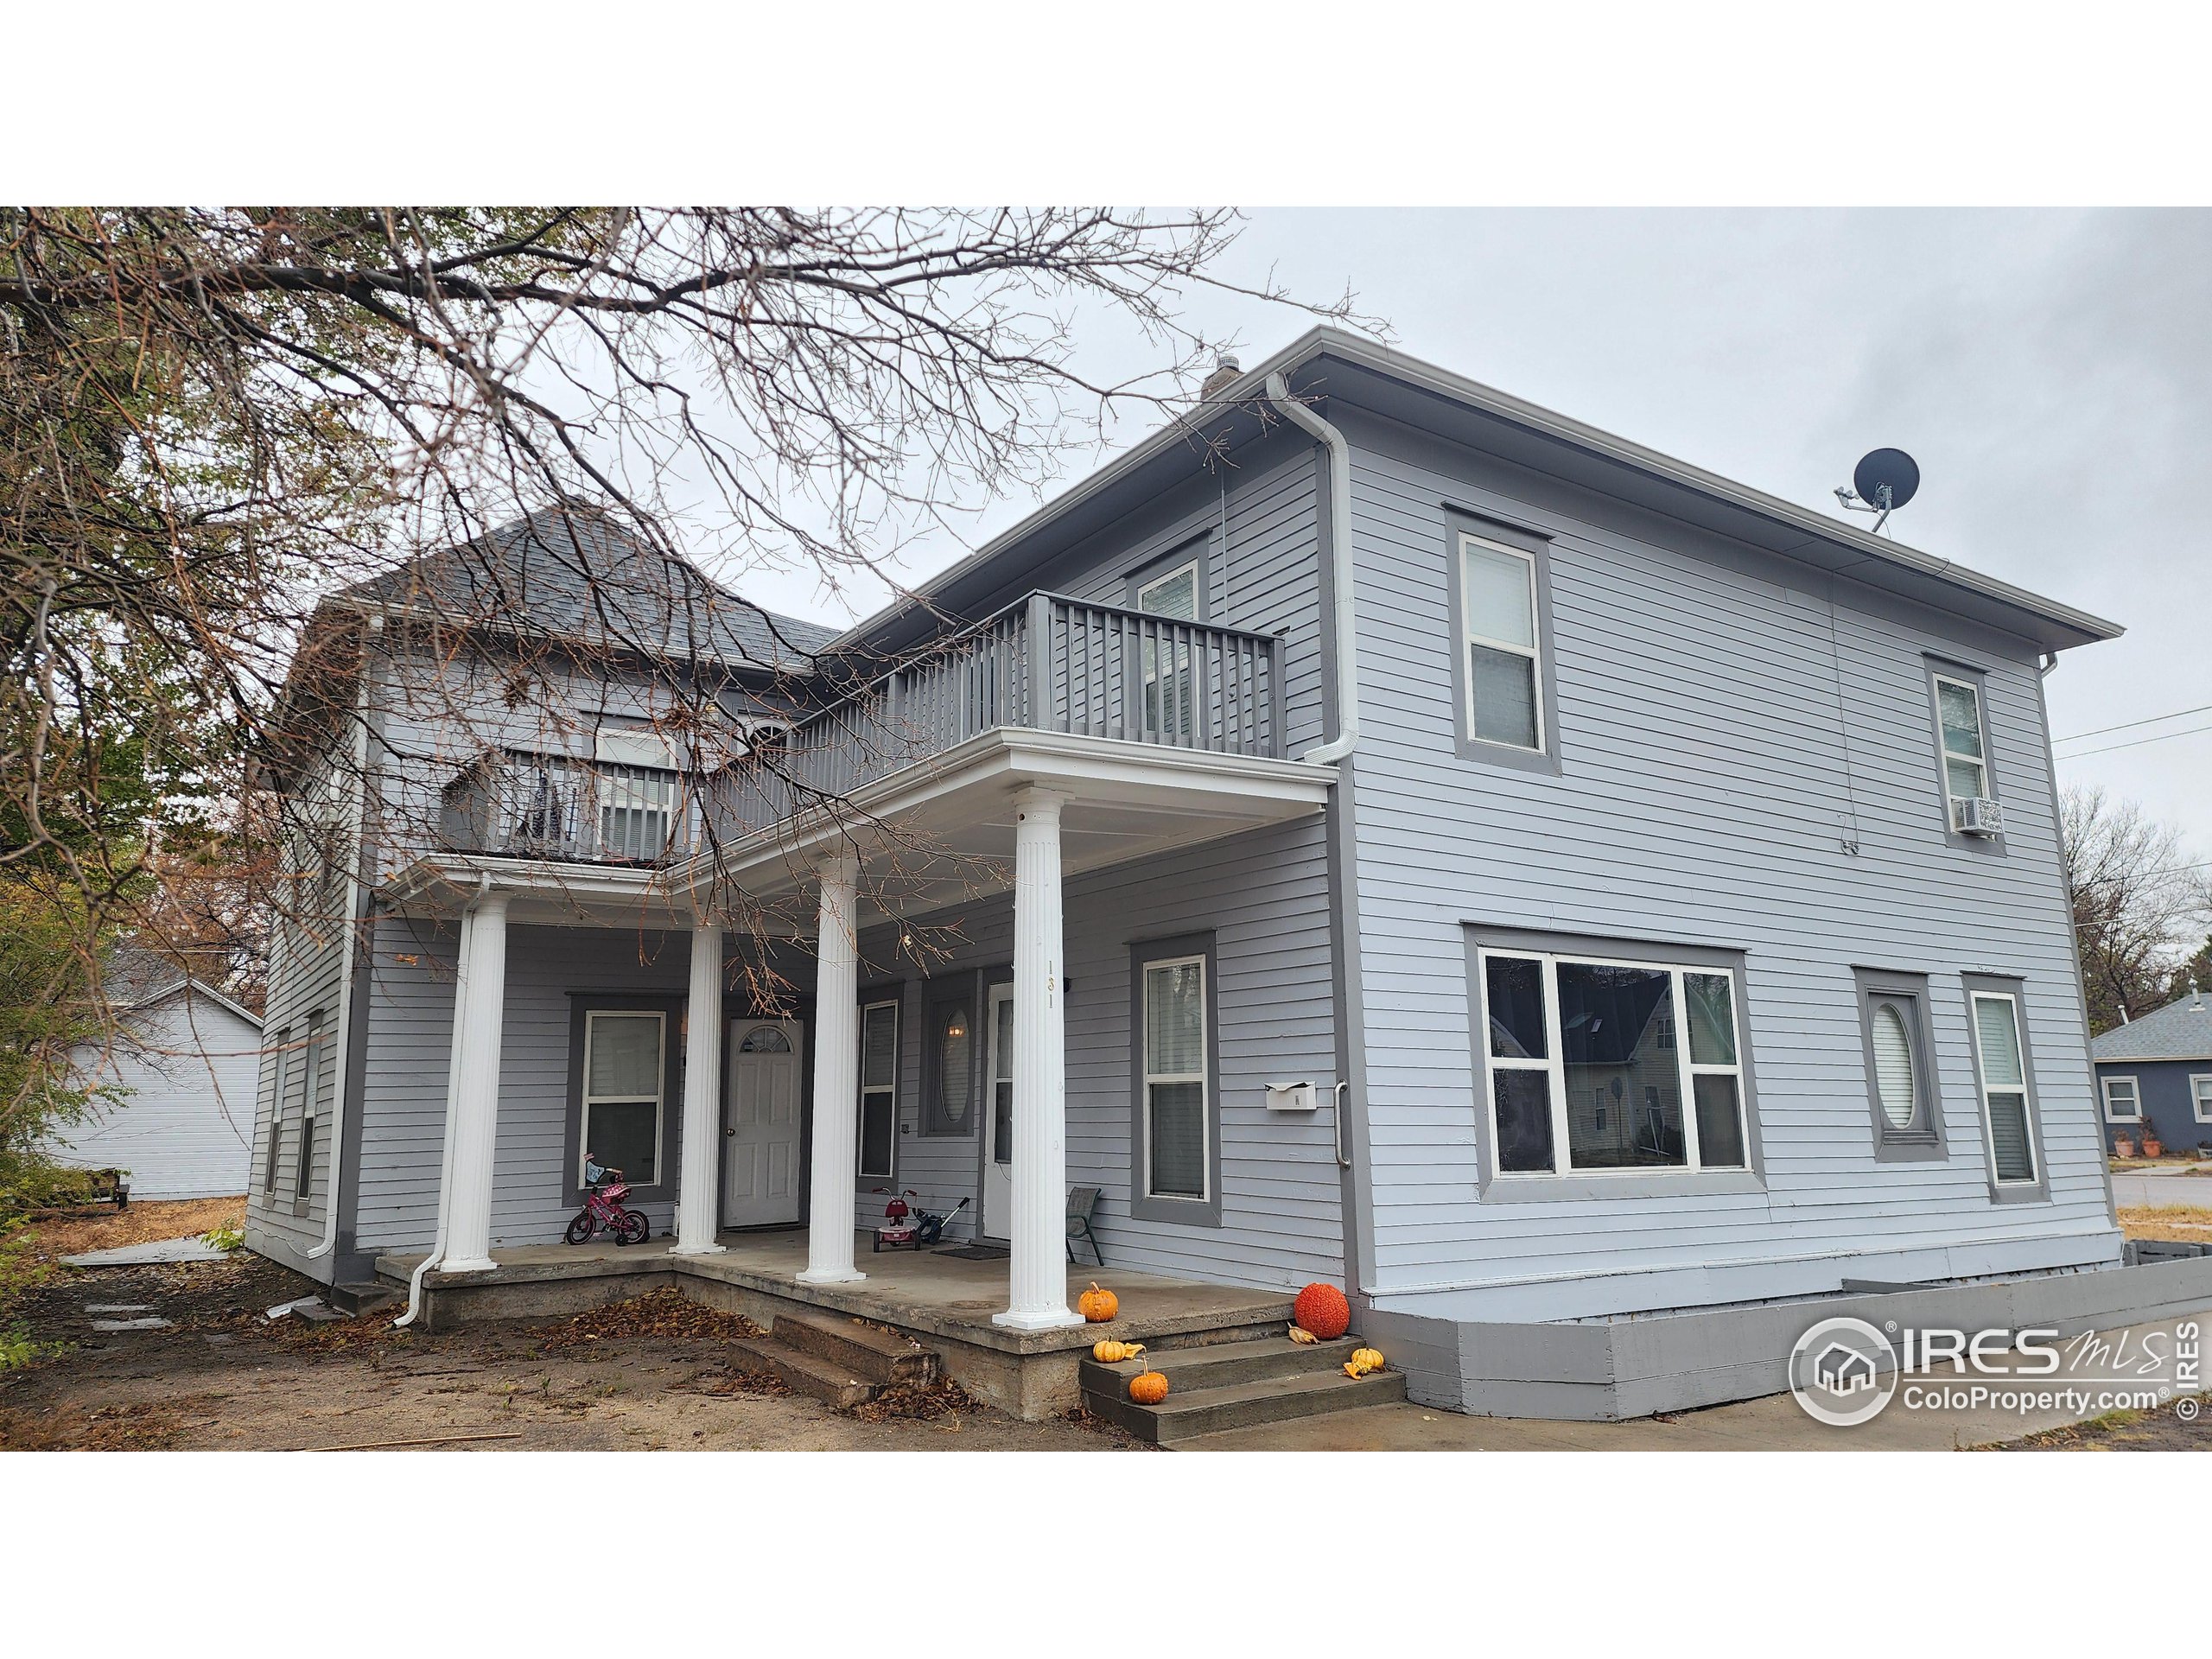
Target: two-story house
{"type": "Point", "coordinates": [1380, 831]}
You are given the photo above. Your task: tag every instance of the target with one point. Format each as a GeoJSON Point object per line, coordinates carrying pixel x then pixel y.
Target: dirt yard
{"type": "Point", "coordinates": [2123, 1431]}
{"type": "Point", "coordinates": [2174, 1223]}
{"type": "Point", "coordinates": [103, 1227]}
{"type": "Point", "coordinates": [648, 1375]}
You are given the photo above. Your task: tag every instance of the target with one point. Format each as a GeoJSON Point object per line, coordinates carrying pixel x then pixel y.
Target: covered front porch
{"type": "Point", "coordinates": [947, 1301]}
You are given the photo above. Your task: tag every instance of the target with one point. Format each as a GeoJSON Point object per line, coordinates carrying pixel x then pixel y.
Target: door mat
{"type": "Point", "coordinates": [974, 1253]}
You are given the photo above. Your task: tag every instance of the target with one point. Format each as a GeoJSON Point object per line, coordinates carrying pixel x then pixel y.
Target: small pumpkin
{"type": "Point", "coordinates": [1107, 1351]}
{"type": "Point", "coordinates": [1148, 1388]}
{"type": "Point", "coordinates": [1363, 1361]}
{"type": "Point", "coordinates": [1099, 1306]}
{"type": "Point", "coordinates": [1300, 1334]}
{"type": "Point", "coordinates": [1323, 1309]}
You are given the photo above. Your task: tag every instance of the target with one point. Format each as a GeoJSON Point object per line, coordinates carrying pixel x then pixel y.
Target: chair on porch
{"type": "Point", "coordinates": [1081, 1200]}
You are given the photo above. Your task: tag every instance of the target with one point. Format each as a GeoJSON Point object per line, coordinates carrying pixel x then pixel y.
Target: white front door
{"type": "Point", "coordinates": [760, 1138]}
{"type": "Point", "coordinates": [998, 1119]}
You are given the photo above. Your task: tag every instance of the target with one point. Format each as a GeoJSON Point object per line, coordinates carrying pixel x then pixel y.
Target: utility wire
{"type": "Point", "coordinates": [2127, 725]}
{"type": "Point", "coordinates": [2135, 743]}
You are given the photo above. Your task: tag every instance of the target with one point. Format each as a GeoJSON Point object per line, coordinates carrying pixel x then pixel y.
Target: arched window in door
{"type": "Point", "coordinates": [765, 1040]}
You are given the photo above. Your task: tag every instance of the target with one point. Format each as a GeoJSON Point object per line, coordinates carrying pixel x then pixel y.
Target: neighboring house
{"type": "Point", "coordinates": [2155, 1074]}
{"type": "Point", "coordinates": [1657, 883]}
{"type": "Point", "coordinates": [186, 1058]}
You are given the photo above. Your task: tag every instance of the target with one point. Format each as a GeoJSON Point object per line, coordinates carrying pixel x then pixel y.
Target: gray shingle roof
{"type": "Point", "coordinates": [2180, 1030]}
{"type": "Point", "coordinates": [580, 576]}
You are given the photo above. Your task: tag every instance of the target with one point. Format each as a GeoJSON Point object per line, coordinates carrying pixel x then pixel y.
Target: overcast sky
{"type": "Point", "coordinates": [2050, 371]}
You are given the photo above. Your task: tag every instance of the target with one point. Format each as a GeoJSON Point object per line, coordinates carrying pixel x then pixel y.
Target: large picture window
{"type": "Point", "coordinates": [879, 1102]}
{"type": "Point", "coordinates": [624, 1072]}
{"type": "Point", "coordinates": [1177, 1155]}
{"type": "Point", "coordinates": [1497, 591]}
{"type": "Point", "coordinates": [1596, 1067]}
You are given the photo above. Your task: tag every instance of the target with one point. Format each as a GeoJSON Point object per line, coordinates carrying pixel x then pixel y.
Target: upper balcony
{"type": "Point", "coordinates": [1047, 663]}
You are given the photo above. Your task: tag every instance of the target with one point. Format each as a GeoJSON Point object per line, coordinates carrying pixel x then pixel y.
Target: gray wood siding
{"type": "Point", "coordinates": [1703, 800]}
{"type": "Point", "coordinates": [1264, 897]}
{"type": "Point", "coordinates": [307, 965]}
{"type": "Point", "coordinates": [409, 1041]}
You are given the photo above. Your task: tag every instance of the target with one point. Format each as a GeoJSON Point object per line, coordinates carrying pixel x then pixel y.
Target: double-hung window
{"type": "Point", "coordinates": [1964, 736]}
{"type": "Point", "coordinates": [624, 1072]}
{"type": "Point", "coordinates": [1504, 678]}
{"type": "Point", "coordinates": [310, 1089]}
{"type": "Point", "coordinates": [879, 1102]}
{"type": "Point", "coordinates": [276, 1109]}
{"type": "Point", "coordinates": [1597, 1066]}
{"type": "Point", "coordinates": [2123, 1104]}
{"type": "Point", "coordinates": [2200, 1096]}
{"type": "Point", "coordinates": [1168, 682]}
{"type": "Point", "coordinates": [2000, 1064]}
{"type": "Point", "coordinates": [1178, 1155]}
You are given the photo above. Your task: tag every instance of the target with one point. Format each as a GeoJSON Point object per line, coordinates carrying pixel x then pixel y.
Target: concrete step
{"type": "Point", "coordinates": [1270, 1400]}
{"type": "Point", "coordinates": [356, 1297]}
{"type": "Point", "coordinates": [1216, 1365]}
{"type": "Point", "coordinates": [867, 1351]}
{"type": "Point", "coordinates": [809, 1373]}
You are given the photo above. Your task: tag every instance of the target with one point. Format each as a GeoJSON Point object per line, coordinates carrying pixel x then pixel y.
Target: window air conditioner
{"type": "Point", "coordinates": [1978, 816]}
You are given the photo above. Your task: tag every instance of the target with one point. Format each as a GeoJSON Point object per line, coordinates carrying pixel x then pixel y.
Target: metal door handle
{"type": "Point", "coordinates": [1336, 1122]}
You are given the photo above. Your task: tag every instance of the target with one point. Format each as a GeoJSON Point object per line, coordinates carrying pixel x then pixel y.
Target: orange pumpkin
{"type": "Point", "coordinates": [1323, 1309]}
{"type": "Point", "coordinates": [1148, 1388]}
{"type": "Point", "coordinates": [1099, 1306]}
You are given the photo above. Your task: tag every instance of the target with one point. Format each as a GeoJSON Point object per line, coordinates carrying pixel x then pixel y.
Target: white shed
{"type": "Point", "coordinates": [191, 1059]}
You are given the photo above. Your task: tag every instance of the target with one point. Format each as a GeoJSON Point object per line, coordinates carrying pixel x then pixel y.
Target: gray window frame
{"type": "Point", "coordinates": [1537, 549]}
{"type": "Point", "coordinates": [1936, 668]}
{"type": "Point", "coordinates": [1193, 550]}
{"type": "Point", "coordinates": [310, 1100]}
{"type": "Point", "coordinates": [934, 1125]}
{"type": "Point", "coordinates": [2038, 1191]}
{"type": "Point", "coordinates": [894, 997]}
{"type": "Point", "coordinates": [274, 1151]}
{"type": "Point", "coordinates": [1494, 1186]}
{"type": "Point", "coordinates": [581, 1004]}
{"type": "Point", "coordinates": [1143, 1206]}
{"type": "Point", "coordinates": [1874, 987]}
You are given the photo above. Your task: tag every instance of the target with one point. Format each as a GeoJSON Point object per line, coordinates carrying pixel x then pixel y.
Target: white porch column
{"type": "Point", "coordinates": [1038, 1277]}
{"type": "Point", "coordinates": [835, 1107]}
{"type": "Point", "coordinates": [473, 1114]}
{"type": "Point", "coordinates": [698, 1202]}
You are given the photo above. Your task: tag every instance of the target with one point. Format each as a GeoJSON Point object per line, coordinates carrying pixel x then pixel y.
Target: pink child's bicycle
{"type": "Point", "coordinates": [603, 1212]}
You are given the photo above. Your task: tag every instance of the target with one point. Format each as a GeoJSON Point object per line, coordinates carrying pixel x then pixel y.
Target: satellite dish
{"type": "Point", "coordinates": [1890, 470]}
{"type": "Point", "coordinates": [1884, 480]}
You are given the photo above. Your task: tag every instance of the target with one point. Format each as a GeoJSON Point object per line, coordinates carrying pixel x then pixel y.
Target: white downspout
{"type": "Point", "coordinates": [453, 1083]}
{"type": "Point", "coordinates": [339, 1098]}
{"type": "Point", "coordinates": [1344, 625]}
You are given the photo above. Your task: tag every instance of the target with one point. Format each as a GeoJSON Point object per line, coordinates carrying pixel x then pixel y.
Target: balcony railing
{"type": "Point", "coordinates": [526, 805]}
{"type": "Point", "coordinates": [1047, 663]}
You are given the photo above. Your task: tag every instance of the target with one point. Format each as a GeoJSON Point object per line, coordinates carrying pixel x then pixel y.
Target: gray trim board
{"type": "Point", "coordinates": [1195, 1212]}
{"type": "Point", "coordinates": [1892, 1145]}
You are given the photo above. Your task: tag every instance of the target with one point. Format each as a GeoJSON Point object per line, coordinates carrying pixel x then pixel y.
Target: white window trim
{"type": "Point", "coordinates": [2034, 1177]}
{"type": "Point", "coordinates": [2105, 1086]}
{"type": "Point", "coordinates": [1534, 652]}
{"type": "Point", "coordinates": [1204, 1195]}
{"type": "Point", "coordinates": [889, 1090]}
{"type": "Point", "coordinates": [1943, 746]}
{"type": "Point", "coordinates": [2199, 1096]}
{"type": "Point", "coordinates": [592, 1016]}
{"type": "Point", "coordinates": [1554, 1065]}
{"type": "Point", "coordinates": [1189, 569]}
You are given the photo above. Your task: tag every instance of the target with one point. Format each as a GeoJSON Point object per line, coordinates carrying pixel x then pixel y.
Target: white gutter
{"type": "Point", "coordinates": [453, 1083]}
{"type": "Point", "coordinates": [1344, 624]}
{"type": "Point", "coordinates": [339, 1070]}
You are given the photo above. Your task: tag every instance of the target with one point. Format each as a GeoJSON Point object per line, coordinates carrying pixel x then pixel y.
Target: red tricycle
{"type": "Point", "coordinates": [603, 1210]}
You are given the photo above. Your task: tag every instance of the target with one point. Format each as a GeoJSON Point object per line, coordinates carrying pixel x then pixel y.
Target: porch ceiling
{"type": "Point", "coordinates": [942, 830]}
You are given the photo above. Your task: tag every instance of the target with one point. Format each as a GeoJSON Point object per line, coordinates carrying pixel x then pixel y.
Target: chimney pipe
{"type": "Point", "coordinates": [1226, 368]}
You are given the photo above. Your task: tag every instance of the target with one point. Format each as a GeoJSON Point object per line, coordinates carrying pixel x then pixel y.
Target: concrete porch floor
{"type": "Point", "coordinates": [942, 1301]}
